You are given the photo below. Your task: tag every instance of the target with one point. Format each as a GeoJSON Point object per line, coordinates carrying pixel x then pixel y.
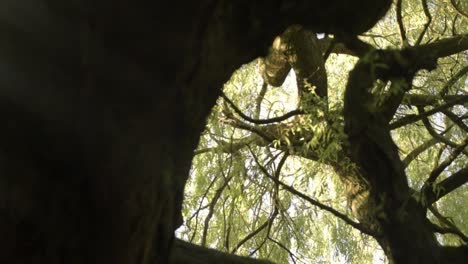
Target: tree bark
{"type": "Point", "coordinates": [102, 104]}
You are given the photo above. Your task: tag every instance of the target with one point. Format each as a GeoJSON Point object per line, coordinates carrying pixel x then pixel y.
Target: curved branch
{"type": "Point", "coordinates": [453, 80]}
{"type": "Point", "coordinates": [443, 47]}
{"type": "Point", "coordinates": [418, 150]}
{"type": "Point", "coordinates": [456, 120]}
{"type": "Point", "coordinates": [232, 147]}
{"type": "Point", "coordinates": [446, 222]}
{"type": "Point", "coordinates": [437, 136]}
{"type": "Point", "coordinates": [401, 26]}
{"type": "Point", "coordinates": [214, 200]}
{"type": "Point", "coordinates": [269, 221]}
{"type": "Point", "coordinates": [430, 100]}
{"type": "Point", "coordinates": [291, 254]}
{"type": "Point", "coordinates": [448, 230]}
{"type": "Point", "coordinates": [261, 121]}
{"type": "Point", "coordinates": [185, 252]}
{"type": "Point", "coordinates": [439, 169]}
{"type": "Point", "coordinates": [414, 118]}
{"type": "Point", "coordinates": [428, 22]}
{"type": "Point", "coordinates": [329, 209]}
{"type": "Point", "coordinates": [446, 186]}
{"type": "Point", "coordinates": [458, 9]}
{"type": "Point", "coordinates": [259, 100]}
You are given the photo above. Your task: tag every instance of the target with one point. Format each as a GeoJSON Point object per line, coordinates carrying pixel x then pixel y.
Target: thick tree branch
{"type": "Point", "coordinates": [443, 47]}
{"type": "Point", "coordinates": [446, 186]}
{"type": "Point", "coordinates": [446, 222]}
{"type": "Point", "coordinates": [418, 150]}
{"type": "Point", "coordinates": [187, 253]}
{"type": "Point", "coordinates": [456, 120]}
{"type": "Point", "coordinates": [448, 230]}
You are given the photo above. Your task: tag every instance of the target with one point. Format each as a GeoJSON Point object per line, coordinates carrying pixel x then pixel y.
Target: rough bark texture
{"type": "Point", "coordinates": [102, 103]}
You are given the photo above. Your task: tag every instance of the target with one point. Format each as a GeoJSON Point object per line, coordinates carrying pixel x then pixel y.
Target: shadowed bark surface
{"type": "Point", "coordinates": [102, 104]}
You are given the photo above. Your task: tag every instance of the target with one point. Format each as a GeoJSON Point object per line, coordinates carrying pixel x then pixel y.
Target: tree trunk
{"type": "Point", "coordinates": [102, 104]}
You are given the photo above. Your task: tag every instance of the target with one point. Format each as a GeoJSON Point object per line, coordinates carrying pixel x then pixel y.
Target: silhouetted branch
{"type": "Point", "coordinates": [437, 136]}
{"type": "Point", "coordinates": [458, 9]}
{"type": "Point", "coordinates": [401, 26]}
{"type": "Point", "coordinates": [418, 150]}
{"type": "Point", "coordinates": [261, 121]}
{"type": "Point", "coordinates": [414, 118]}
{"type": "Point", "coordinates": [439, 169]}
{"type": "Point", "coordinates": [428, 22]}
{"type": "Point", "coordinates": [446, 186]}
{"type": "Point", "coordinates": [329, 209]}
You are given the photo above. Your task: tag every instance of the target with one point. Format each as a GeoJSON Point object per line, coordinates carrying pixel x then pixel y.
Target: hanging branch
{"type": "Point", "coordinates": [270, 220]}
{"type": "Point", "coordinates": [404, 39]}
{"type": "Point", "coordinates": [258, 102]}
{"type": "Point", "coordinates": [200, 207]}
{"type": "Point", "coordinates": [291, 255]}
{"type": "Point", "coordinates": [329, 209]}
{"type": "Point", "coordinates": [214, 201]}
{"type": "Point", "coordinates": [428, 22]}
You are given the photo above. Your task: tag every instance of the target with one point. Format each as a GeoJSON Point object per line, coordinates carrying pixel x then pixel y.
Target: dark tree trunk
{"type": "Point", "coordinates": [102, 103]}
{"type": "Point", "coordinates": [390, 209]}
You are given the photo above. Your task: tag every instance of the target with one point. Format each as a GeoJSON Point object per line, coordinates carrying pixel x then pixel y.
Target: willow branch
{"type": "Point", "coordinates": [458, 9]}
{"type": "Point", "coordinates": [417, 151]}
{"type": "Point", "coordinates": [261, 121]}
{"type": "Point", "coordinates": [437, 136]}
{"type": "Point", "coordinates": [270, 220]}
{"type": "Point", "coordinates": [258, 102]}
{"type": "Point", "coordinates": [428, 22]}
{"type": "Point", "coordinates": [314, 202]}
{"type": "Point", "coordinates": [414, 118]}
{"type": "Point", "coordinates": [442, 219]}
{"type": "Point", "coordinates": [446, 186]}
{"type": "Point", "coordinates": [401, 26]}
{"type": "Point", "coordinates": [456, 120]}
{"type": "Point", "coordinates": [453, 80]}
